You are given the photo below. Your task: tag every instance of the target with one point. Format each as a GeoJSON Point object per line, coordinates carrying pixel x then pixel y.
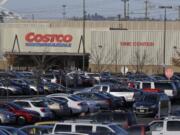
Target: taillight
{"type": "Point", "coordinates": [174, 92]}
{"type": "Point", "coordinates": [81, 104]}
{"type": "Point", "coordinates": [126, 125]}
{"type": "Point", "coordinates": [43, 110]}
{"type": "Point", "coordinates": [109, 102]}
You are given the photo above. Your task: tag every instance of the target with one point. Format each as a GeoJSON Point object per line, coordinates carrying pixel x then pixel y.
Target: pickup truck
{"type": "Point", "coordinates": [129, 94]}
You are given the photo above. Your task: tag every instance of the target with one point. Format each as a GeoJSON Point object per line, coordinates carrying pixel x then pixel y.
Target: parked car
{"type": "Point", "coordinates": [92, 105]}
{"type": "Point", "coordinates": [76, 105]}
{"type": "Point", "coordinates": [46, 123]}
{"type": "Point", "coordinates": [22, 74]}
{"type": "Point", "coordinates": [22, 84]}
{"type": "Point", "coordinates": [5, 87]}
{"type": "Point", "coordinates": [168, 126]}
{"type": "Point", "coordinates": [12, 130]}
{"type": "Point", "coordinates": [7, 117]}
{"type": "Point", "coordinates": [123, 119]}
{"type": "Point", "coordinates": [118, 102]}
{"type": "Point", "coordinates": [35, 88]}
{"type": "Point", "coordinates": [149, 104]}
{"type": "Point", "coordinates": [50, 88]}
{"type": "Point", "coordinates": [35, 105]}
{"type": "Point", "coordinates": [95, 76]}
{"type": "Point", "coordinates": [101, 100]}
{"type": "Point", "coordinates": [88, 128]}
{"type": "Point", "coordinates": [4, 132]}
{"type": "Point", "coordinates": [58, 107]}
{"type": "Point", "coordinates": [86, 80]}
{"type": "Point", "coordinates": [37, 130]}
{"type": "Point", "coordinates": [168, 87]}
{"type": "Point", "coordinates": [50, 77]}
{"type": "Point", "coordinates": [23, 116]}
{"type": "Point", "coordinates": [129, 94]}
{"type": "Point", "coordinates": [175, 113]}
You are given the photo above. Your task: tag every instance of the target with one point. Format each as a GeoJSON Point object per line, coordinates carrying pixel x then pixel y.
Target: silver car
{"type": "Point", "coordinates": [7, 117]}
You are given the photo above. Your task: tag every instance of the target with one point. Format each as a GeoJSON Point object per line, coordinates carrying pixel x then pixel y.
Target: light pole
{"type": "Point", "coordinates": [84, 33]}
{"type": "Point", "coordinates": [164, 47]}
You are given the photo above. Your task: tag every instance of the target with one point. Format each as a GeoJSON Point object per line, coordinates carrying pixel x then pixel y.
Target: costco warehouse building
{"type": "Point", "coordinates": [107, 47]}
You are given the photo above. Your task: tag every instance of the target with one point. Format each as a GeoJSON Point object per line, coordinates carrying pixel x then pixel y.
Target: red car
{"type": "Point", "coordinates": [23, 116]}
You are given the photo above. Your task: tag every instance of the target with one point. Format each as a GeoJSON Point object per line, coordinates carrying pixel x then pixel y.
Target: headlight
{"type": "Point", "coordinates": [8, 116]}
{"type": "Point", "coordinates": [153, 106]}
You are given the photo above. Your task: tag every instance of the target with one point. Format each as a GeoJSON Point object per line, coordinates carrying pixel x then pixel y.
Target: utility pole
{"type": "Point", "coordinates": [119, 19]}
{"type": "Point", "coordinates": [125, 8]}
{"type": "Point", "coordinates": [179, 13]}
{"type": "Point", "coordinates": [146, 9]}
{"type": "Point", "coordinates": [84, 33]}
{"type": "Point", "coordinates": [33, 17]}
{"type": "Point", "coordinates": [164, 47]}
{"type": "Point", "coordinates": [128, 10]}
{"type": "Point", "coordinates": [64, 11]}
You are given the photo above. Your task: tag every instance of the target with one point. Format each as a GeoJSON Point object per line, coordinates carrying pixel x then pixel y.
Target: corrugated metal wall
{"type": "Point", "coordinates": [126, 54]}
{"type": "Point", "coordinates": [99, 39]}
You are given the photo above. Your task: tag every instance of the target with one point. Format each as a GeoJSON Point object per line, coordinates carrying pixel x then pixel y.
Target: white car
{"type": "Point", "coordinates": [168, 126]}
{"type": "Point", "coordinates": [36, 105]}
{"type": "Point", "coordinates": [75, 104]}
{"type": "Point", "coordinates": [95, 76]}
{"type": "Point", "coordinates": [88, 127]}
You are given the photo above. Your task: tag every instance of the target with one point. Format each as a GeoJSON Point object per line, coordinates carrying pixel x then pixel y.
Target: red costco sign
{"type": "Point", "coordinates": [59, 40]}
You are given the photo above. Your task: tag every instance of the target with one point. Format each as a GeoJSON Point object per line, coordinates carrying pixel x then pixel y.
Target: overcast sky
{"type": "Point", "coordinates": [53, 8]}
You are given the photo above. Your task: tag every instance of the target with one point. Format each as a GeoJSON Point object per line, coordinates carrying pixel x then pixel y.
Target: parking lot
{"type": "Point", "coordinates": [132, 102]}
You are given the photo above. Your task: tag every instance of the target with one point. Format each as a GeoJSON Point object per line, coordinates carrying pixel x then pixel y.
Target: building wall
{"type": "Point", "coordinates": [124, 46]}
{"type": "Point", "coordinates": [117, 47]}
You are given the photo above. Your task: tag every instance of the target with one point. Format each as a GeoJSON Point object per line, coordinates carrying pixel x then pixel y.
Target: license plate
{"type": "Point", "coordinates": [141, 111]}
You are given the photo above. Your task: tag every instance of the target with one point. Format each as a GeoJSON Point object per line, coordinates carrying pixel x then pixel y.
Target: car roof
{"type": "Point", "coordinates": [28, 100]}
{"type": "Point", "coordinates": [59, 94]}
{"type": "Point", "coordinates": [46, 123]}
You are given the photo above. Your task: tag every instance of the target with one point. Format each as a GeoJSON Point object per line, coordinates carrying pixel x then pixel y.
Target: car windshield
{"type": "Point", "coordinates": [15, 106]}
{"type": "Point", "coordinates": [74, 98]}
{"type": "Point", "coordinates": [150, 98]}
{"type": "Point", "coordinates": [102, 95]}
{"type": "Point", "coordinates": [118, 130]}
{"type": "Point", "coordinates": [39, 104]}
{"type": "Point", "coordinates": [57, 100]}
{"type": "Point", "coordinates": [163, 85]}
{"type": "Point", "coordinates": [14, 131]}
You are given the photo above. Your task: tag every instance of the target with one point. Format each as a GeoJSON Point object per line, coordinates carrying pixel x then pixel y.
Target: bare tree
{"type": "Point", "coordinates": [176, 58]}
{"type": "Point", "coordinates": [102, 57]}
{"type": "Point", "coordinates": [11, 59]}
{"type": "Point", "coordinates": [42, 63]}
{"type": "Point", "coordinates": [139, 60]}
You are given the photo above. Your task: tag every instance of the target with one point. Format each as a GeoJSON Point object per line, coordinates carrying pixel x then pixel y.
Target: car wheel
{"type": "Point", "coordinates": [21, 120]}
{"type": "Point", "coordinates": [71, 112]}
{"type": "Point", "coordinates": [88, 111]}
